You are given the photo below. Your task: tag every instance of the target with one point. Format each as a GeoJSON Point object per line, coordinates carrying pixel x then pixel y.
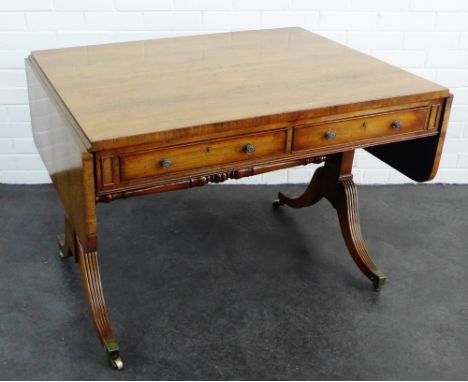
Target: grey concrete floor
{"type": "Point", "coordinates": [212, 283]}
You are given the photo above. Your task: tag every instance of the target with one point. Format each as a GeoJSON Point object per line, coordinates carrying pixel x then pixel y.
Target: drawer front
{"type": "Point", "coordinates": [193, 156]}
{"type": "Point", "coordinates": [358, 130]}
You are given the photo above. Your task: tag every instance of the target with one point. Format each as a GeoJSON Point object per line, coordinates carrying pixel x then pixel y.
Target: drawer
{"type": "Point", "coordinates": [360, 129]}
{"type": "Point", "coordinates": [192, 156]}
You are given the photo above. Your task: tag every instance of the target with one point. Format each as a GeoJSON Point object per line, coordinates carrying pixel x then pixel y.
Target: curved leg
{"type": "Point", "coordinates": [310, 196]}
{"type": "Point", "coordinates": [334, 182]}
{"type": "Point", "coordinates": [348, 214]}
{"type": "Point", "coordinates": [91, 279]}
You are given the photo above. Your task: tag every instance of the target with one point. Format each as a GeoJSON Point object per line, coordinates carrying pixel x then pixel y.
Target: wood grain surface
{"type": "Point", "coordinates": [131, 93]}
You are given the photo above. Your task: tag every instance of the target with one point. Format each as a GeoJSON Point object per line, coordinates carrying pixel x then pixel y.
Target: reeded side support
{"type": "Point", "coordinates": [92, 286]}
{"type": "Point", "coordinates": [65, 153]}
{"type": "Point", "coordinates": [334, 182]}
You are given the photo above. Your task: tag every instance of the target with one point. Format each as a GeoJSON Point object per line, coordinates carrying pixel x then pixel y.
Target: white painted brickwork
{"type": "Point", "coordinates": [426, 37]}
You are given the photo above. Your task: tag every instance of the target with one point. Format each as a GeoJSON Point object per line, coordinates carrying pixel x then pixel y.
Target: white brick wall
{"type": "Point", "coordinates": [426, 37]}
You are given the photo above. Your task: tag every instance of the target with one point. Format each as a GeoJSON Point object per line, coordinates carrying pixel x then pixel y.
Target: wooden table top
{"type": "Point", "coordinates": [137, 89]}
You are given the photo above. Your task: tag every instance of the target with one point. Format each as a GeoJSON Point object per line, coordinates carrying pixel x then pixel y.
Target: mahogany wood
{"type": "Point", "coordinates": [129, 119]}
{"type": "Point", "coordinates": [211, 178]}
{"type": "Point", "coordinates": [334, 182]}
{"type": "Point", "coordinates": [357, 130]}
{"type": "Point", "coordinates": [91, 280]}
{"type": "Point", "coordinates": [154, 90]}
{"type": "Point", "coordinates": [418, 160]}
{"type": "Point", "coordinates": [66, 158]}
{"type": "Point", "coordinates": [199, 155]}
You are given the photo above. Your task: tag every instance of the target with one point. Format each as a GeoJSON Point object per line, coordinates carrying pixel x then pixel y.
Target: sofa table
{"type": "Point", "coordinates": [127, 119]}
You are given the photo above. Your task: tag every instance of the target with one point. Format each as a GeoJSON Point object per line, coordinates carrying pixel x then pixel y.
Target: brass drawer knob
{"type": "Point", "coordinates": [249, 148]}
{"type": "Point", "coordinates": [330, 135]}
{"type": "Point", "coordinates": [166, 163]}
{"type": "Point", "coordinates": [397, 124]}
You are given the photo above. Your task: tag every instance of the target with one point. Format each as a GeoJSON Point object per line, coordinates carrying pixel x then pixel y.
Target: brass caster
{"type": "Point", "coordinates": [112, 349]}
{"type": "Point", "coordinates": [379, 281]}
{"type": "Point", "coordinates": [63, 251]}
{"type": "Point", "coordinates": [116, 362]}
{"type": "Point", "coordinates": [277, 204]}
